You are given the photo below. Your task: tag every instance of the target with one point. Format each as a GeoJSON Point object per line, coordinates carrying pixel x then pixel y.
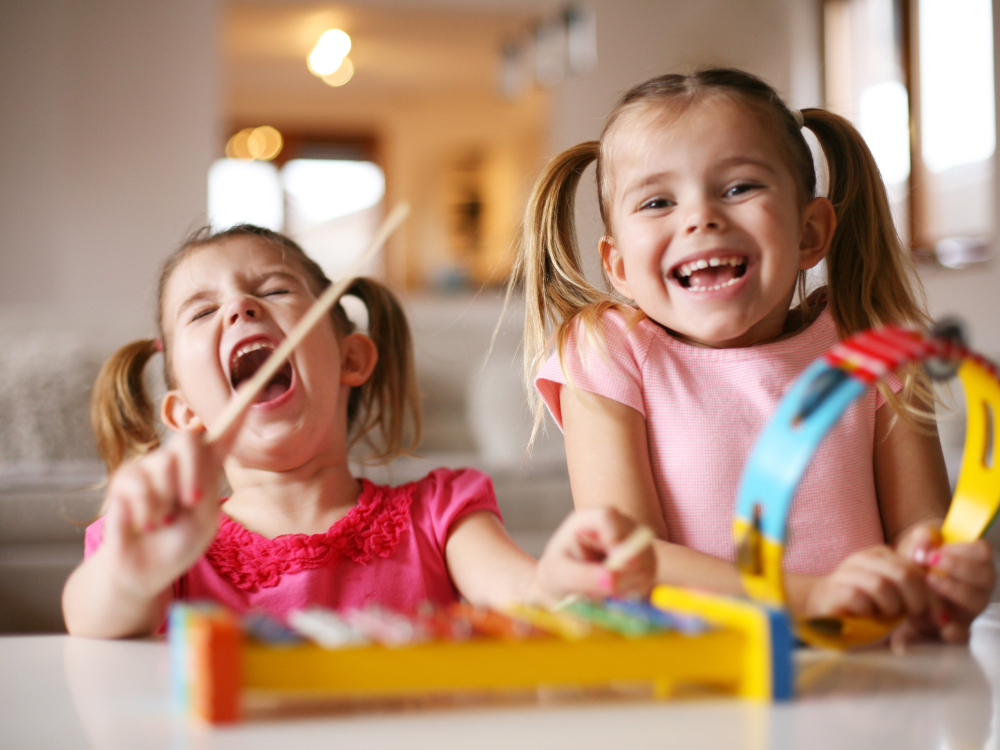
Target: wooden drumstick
{"type": "Point", "coordinates": [640, 538]}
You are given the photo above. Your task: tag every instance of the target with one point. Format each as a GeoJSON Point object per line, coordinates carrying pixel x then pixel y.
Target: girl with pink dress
{"type": "Point", "coordinates": [296, 528]}
{"type": "Point", "coordinates": [708, 194]}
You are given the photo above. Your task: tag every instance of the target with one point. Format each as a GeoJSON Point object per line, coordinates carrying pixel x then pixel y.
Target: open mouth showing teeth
{"type": "Point", "coordinates": [249, 358]}
{"type": "Point", "coordinates": [710, 274]}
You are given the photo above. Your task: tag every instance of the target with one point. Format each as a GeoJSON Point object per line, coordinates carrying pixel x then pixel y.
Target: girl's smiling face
{"type": "Point", "coordinates": [225, 308]}
{"type": "Point", "coordinates": [708, 227]}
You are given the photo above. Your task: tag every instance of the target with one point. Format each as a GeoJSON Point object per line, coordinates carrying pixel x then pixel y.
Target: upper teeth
{"type": "Point", "coordinates": [251, 347]}
{"type": "Point", "coordinates": [696, 265]}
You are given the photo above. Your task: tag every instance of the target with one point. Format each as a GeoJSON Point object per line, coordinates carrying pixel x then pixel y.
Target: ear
{"type": "Point", "coordinates": [358, 356]}
{"type": "Point", "coordinates": [614, 266]}
{"type": "Point", "coordinates": [819, 221]}
{"type": "Point", "coordinates": [177, 415]}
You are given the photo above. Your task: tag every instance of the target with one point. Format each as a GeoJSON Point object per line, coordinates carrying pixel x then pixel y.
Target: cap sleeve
{"type": "Point", "coordinates": [93, 537]}
{"type": "Point", "coordinates": [611, 367]}
{"type": "Point", "coordinates": [895, 385]}
{"type": "Point", "coordinates": [444, 496]}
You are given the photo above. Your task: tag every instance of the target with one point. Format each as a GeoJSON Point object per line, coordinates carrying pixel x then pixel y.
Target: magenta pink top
{"type": "Point", "coordinates": [387, 550]}
{"type": "Point", "coordinates": [704, 409]}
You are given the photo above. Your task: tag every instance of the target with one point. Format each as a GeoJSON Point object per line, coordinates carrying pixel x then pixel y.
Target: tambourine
{"type": "Point", "coordinates": [811, 408]}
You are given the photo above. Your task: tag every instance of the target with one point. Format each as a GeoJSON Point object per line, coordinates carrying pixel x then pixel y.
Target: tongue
{"type": "Point", "coordinates": [270, 392]}
{"type": "Point", "coordinates": [711, 276]}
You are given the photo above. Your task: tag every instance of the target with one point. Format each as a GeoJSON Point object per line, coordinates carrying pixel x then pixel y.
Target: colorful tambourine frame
{"type": "Point", "coordinates": [804, 416]}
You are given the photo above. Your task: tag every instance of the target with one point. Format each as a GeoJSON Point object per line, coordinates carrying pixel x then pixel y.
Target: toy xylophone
{"type": "Point", "coordinates": [680, 638]}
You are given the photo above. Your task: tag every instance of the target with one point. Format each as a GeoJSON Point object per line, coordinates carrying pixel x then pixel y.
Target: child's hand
{"type": "Point", "coordinates": [876, 582]}
{"type": "Point", "coordinates": [573, 561]}
{"type": "Point", "coordinates": [960, 577]}
{"type": "Point", "coordinates": [162, 513]}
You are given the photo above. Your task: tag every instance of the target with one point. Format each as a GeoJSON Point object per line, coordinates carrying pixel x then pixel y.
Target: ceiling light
{"type": "Point", "coordinates": [329, 52]}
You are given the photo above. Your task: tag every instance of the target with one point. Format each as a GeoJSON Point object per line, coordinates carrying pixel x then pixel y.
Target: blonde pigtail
{"type": "Point", "coordinates": [872, 281]}
{"type": "Point", "coordinates": [121, 412]}
{"type": "Point", "coordinates": [548, 268]}
{"type": "Point", "coordinates": [388, 404]}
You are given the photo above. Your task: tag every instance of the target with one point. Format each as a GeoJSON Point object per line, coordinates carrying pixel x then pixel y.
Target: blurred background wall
{"type": "Point", "coordinates": [114, 111]}
{"type": "Point", "coordinates": [111, 116]}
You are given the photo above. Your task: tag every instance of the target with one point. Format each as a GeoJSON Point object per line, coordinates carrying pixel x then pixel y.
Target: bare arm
{"type": "Point", "coordinates": [609, 466]}
{"type": "Point", "coordinates": [910, 477]}
{"type": "Point", "coordinates": [608, 457]}
{"type": "Point", "coordinates": [156, 527]}
{"type": "Point", "coordinates": [485, 564]}
{"type": "Point", "coordinates": [489, 568]}
{"type": "Point", "coordinates": [913, 495]}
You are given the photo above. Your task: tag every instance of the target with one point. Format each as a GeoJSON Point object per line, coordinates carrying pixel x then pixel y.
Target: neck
{"type": "Point", "coordinates": [307, 499]}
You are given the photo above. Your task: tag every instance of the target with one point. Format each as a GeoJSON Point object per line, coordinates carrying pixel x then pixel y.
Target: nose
{"type": "Point", "coordinates": [703, 217]}
{"type": "Point", "coordinates": [242, 308]}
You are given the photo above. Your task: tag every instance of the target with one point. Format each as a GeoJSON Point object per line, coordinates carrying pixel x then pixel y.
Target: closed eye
{"type": "Point", "coordinates": [203, 313]}
{"type": "Point", "coordinates": [273, 292]}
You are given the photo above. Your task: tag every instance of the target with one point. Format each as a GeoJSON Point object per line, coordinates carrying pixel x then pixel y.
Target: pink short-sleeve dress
{"type": "Point", "coordinates": [389, 550]}
{"type": "Point", "coordinates": [704, 409]}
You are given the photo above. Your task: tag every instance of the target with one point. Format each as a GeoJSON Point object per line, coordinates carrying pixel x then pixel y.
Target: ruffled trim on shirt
{"type": "Point", "coordinates": [372, 528]}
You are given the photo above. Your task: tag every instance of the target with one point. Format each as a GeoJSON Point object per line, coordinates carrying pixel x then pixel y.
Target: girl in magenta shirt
{"type": "Point", "coordinates": [707, 190]}
{"type": "Point", "coordinates": [297, 528]}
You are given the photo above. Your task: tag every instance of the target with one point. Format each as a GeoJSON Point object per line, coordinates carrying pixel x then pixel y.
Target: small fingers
{"type": "Point", "coordinates": [593, 532]}
{"type": "Point", "coordinates": [874, 583]}
{"type": "Point", "coordinates": [584, 578]}
{"type": "Point", "coordinates": [637, 577]}
{"type": "Point", "coordinates": [581, 547]}
{"type": "Point", "coordinates": [971, 563]}
{"type": "Point", "coordinates": [919, 542]}
{"type": "Point", "coordinates": [970, 599]}
{"type": "Point", "coordinates": [146, 487]}
{"type": "Point", "coordinates": [895, 585]}
{"type": "Point", "coordinates": [198, 467]}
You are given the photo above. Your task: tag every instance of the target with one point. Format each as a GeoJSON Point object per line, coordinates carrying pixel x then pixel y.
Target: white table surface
{"type": "Point", "coordinates": [63, 692]}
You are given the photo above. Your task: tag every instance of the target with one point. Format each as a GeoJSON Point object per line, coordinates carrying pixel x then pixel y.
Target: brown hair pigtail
{"type": "Point", "coordinates": [388, 403]}
{"type": "Point", "coordinates": [121, 412]}
{"type": "Point", "coordinates": [871, 276]}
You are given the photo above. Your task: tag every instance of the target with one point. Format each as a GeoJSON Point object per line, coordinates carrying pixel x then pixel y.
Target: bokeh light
{"type": "Point", "coordinates": [261, 144]}
{"type": "Point", "coordinates": [341, 75]}
{"type": "Point", "coordinates": [242, 191]}
{"type": "Point", "coordinates": [329, 52]}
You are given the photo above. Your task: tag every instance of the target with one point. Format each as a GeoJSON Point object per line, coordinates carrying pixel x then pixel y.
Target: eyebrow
{"type": "Point", "coordinates": [203, 295]}
{"type": "Point", "coordinates": [734, 161]}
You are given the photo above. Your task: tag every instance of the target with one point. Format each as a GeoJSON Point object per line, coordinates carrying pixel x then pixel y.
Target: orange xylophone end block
{"type": "Point", "coordinates": [216, 642]}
